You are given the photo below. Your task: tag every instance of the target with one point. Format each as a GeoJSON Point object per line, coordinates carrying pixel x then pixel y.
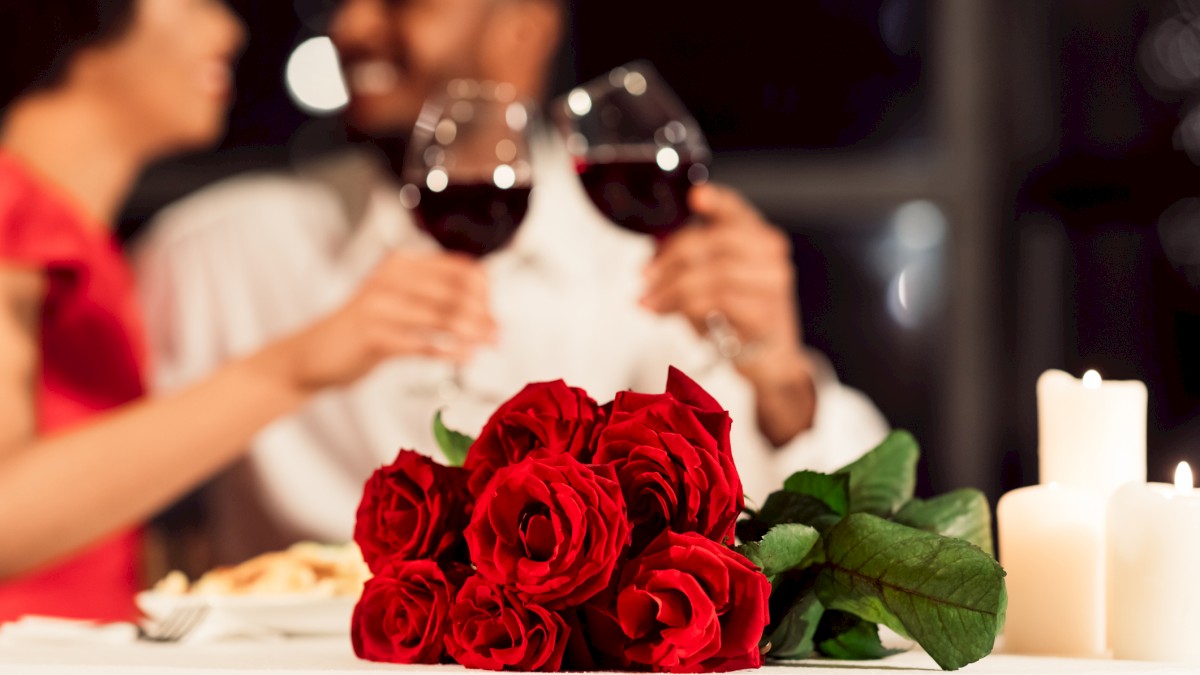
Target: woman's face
{"type": "Point", "coordinates": [168, 76]}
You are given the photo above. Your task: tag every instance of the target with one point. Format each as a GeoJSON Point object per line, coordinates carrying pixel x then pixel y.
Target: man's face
{"type": "Point", "coordinates": [397, 53]}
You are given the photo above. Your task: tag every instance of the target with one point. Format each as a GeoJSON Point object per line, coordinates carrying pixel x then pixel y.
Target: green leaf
{"type": "Point", "coordinates": [454, 445]}
{"type": "Point", "coordinates": [946, 594]}
{"type": "Point", "coordinates": [845, 636]}
{"type": "Point", "coordinates": [788, 507]}
{"type": "Point", "coordinates": [963, 514]}
{"type": "Point", "coordinates": [782, 549]}
{"type": "Point", "coordinates": [833, 490]}
{"type": "Point", "coordinates": [1000, 621]}
{"type": "Point", "coordinates": [882, 480]}
{"type": "Point", "coordinates": [792, 638]}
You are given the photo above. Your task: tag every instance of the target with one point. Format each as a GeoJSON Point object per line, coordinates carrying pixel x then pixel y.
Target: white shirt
{"type": "Point", "coordinates": [238, 265]}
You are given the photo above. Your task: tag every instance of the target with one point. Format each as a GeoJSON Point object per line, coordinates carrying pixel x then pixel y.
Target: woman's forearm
{"type": "Point", "coordinates": [62, 492]}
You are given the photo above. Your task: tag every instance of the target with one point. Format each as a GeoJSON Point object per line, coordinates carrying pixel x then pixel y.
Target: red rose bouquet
{"type": "Point", "coordinates": [575, 536]}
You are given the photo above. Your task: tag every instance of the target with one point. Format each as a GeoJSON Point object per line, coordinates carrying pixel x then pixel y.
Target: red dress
{"type": "Point", "coordinates": [92, 360]}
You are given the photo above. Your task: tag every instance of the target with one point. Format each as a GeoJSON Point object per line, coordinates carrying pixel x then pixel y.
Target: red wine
{"type": "Point", "coordinates": [476, 219]}
{"type": "Point", "coordinates": [639, 195]}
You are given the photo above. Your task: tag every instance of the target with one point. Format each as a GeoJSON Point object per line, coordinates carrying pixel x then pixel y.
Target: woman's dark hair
{"type": "Point", "coordinates": [39, 37]}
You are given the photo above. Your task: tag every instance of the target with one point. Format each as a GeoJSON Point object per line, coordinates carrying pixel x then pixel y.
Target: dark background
{"type": "Point", "coordinates": [1008, 163]}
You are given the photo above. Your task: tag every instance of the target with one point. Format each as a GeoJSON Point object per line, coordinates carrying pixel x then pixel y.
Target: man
{"type": "Point", "coordinates": [573, 297]}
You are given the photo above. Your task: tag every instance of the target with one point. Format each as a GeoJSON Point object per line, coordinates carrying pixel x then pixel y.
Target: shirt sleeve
{"type": "Point", "coordinates": [179, 309]}
{"type": "Point", "coordinates": [846, 425]}
{"type": "Point", "coordinates": [228, 271]}
{"type": "Point", "coordinates": [38, 230]}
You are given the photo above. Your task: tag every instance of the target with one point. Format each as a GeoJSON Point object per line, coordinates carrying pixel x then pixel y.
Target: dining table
{"type": "Point", "coordinates": [325, 655]}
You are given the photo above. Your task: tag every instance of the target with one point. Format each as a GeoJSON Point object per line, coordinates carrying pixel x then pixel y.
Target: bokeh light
{"type": "Point", "coordinates": [314, 77]}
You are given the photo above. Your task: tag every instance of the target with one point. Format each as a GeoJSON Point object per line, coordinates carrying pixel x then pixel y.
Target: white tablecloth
{"type": "Point", "coordinates": [329, 655]}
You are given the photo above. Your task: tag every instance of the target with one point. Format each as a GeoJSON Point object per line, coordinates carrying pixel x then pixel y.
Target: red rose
{"type": "Point", "coordinates": [402, 616]}
{"type": "Point", "coordinates": [673, 459]}
{"type": "Point", "coordinates": [412, 509]}
{"type": "Point", "coordinates": [492, 629]}
{"type": "Point", "coordinates": [551, 528]}
{"type": "Point", "coordinates": [548, 416]}
{"type": "Point", "coordinates": [686, 604]}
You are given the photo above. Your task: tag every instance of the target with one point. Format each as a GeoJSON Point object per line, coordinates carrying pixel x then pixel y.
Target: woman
{"type": "Point", "coordinates": [90, 91]}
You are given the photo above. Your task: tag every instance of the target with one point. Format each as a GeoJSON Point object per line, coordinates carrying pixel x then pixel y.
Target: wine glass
{"type": "Point", "coordinates": [638, 153]}
{"type": "Point", "coordinates": [467, 176]}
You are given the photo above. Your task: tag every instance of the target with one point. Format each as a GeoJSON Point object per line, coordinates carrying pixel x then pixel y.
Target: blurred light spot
{"type": "Point", "coordinates": [580, 102]}
{"type": "Point", "coordinates": [675, 132]}
{"type": "Point", "coordinates": [1170, 52]}
{"type": "Point", "coordinates": [616, 76]}
{"type": "Point", "coordinates": [1187, 135]}
{"type": "Point", "coordinates": [462, 111]}
{"type": "Point", "coordinates": [506, 150]}
{"type": "Point", "coordinates": [919, 225]}
{"type": "Point", "coordinates": [314, 78]}
{"type": "Point", "coordinates": [505, 92]}
{"type": "Point", "coordinates": [899, 302]}
{"type": "Point", "coordinates": [437, 180]}
{"type": "Point", "coordinates": [463, 88]}
{"type": "Point", "coordinates": [698, 174]}
{"type": "Point", "coordinates": [577, 144]}
{"type": "Point", "coordinates": [667, 159]}
{"type": "Point", "coordinates": [915, 294]}
{"type": "Point", "coordinates": [517, 116]}
{"type": "Point", "coordinates": [504, 177]}
{"type": "Point", "coordinates": [1179, 232]}
{"type": "Point", "coordinates": [895, 19]}
{"type": "Point", "coordinates": [434, 156]}
{"type": "Point", "coordinates": [446, 131]}
{"type": "Point", "coordinates": [635, 83]}
{"type": "Point", "coordinates": [410, 196]}
{"type": "Point", "coordinates": [1092, 380]}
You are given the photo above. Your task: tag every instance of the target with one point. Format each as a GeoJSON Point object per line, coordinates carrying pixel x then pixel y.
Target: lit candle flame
{"type": "Point", "coordinates": [1183, 478]}
{"type": "Point", "coordinates": [1091, 380]}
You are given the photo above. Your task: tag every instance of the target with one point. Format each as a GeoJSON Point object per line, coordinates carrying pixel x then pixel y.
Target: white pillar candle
{"type": "Point", "coordinates": [1154, 568]}
{"type": "Point", "coordinates": [1052, 547]}
{"type": "Point", "coordinates": [1091, 433]}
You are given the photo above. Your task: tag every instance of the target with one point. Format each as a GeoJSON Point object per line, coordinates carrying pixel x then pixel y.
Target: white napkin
{"type": "Point", "coordinates": [32, 629]}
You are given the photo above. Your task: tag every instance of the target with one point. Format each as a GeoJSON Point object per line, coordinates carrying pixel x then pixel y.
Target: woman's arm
{"type": "Point", "coordinates": [63, 491]}
{"type": "Point", "coordinates": [19, 291]}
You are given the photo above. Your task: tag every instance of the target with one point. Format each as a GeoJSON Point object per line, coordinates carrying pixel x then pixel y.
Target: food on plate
{"type": "Point", "coordinates": [306, 568]}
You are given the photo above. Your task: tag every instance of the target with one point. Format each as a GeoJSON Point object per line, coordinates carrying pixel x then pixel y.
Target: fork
{"type": "Point", "coordinates": [176, 625]}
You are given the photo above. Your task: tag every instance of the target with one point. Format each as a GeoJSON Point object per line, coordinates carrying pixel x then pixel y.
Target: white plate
{"type": "Point", "coordinates": [287, 615]}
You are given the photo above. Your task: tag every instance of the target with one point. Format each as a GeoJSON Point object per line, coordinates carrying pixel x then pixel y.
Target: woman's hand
{"type": "Point", "coordinates": [433, 305]}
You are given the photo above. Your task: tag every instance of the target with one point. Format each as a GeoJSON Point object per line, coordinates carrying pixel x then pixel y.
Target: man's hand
{"type": "Point", "coordinates": [432, 305]}
{"type": "Point", "coordinates": [734, 263]}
